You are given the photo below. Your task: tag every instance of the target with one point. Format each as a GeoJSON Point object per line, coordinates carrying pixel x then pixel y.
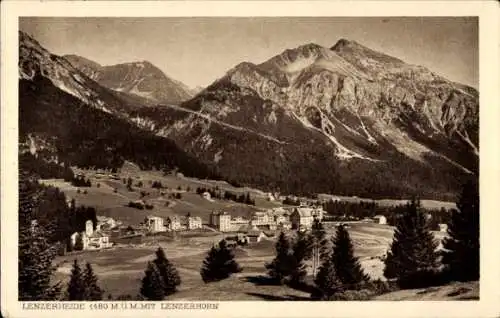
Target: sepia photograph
{"type": "Point", "coordinates": [247, 158]}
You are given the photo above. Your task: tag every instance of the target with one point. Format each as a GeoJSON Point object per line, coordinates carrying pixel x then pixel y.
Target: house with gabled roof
{"type": "Point", "coordinates": [302, 218]}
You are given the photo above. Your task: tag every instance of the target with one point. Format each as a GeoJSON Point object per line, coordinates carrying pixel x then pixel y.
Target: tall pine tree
{"type": "Point", "coordinates": [327, 282]}
{"type": "Point", "coordinates": [36, 255]}
{"type": "Point", "coordinates": [320, 245]}
{"type": "Point", "coordinates": [412, 258]}
{"type": "Point", "coordinates": [461, 248]}
{"type": "Point", "coordinates": [280, 268]}
{"type": "Point", "coordinates": [167, 271]}
{"type": "Point", "coordinates": [76, 285]}
{"type": "Point", "coordinates": [301, 251]}
{"type": "Point", "coordinates": [92, 289]}
{"type": "Point", "coordinates": [152, 287]}
{"type": "Point", "coordinates": [347, 267]}
{"type": "Point", "coordinates": [219, 263]}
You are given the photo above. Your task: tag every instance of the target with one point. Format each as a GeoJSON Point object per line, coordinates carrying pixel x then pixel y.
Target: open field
{"type": "Point", "coordinates": [120, 269]}
{"type": "Point", "coordinates": [114, 204]}
{"type": "Point", "coordinates": [109, 203]}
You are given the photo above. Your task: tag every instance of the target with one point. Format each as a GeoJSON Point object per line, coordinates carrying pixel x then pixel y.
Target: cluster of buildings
{"type": "Point", "coordinates": [156, 224]}
{"type": "Point", "coordinates": [108, 231]}
{"type": "Point", "coordinates": [98, 238]}
{"type": "Point", "coordinates": [297, 218]}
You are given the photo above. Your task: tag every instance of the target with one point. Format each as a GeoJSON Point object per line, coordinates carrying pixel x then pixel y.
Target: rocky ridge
{"type": "Point", "coordinates": [138, 78]}
{"type": "Point", "coordinates": [361, 105]}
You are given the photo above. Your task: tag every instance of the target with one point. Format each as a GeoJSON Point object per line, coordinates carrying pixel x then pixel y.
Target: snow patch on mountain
{"type": "Point", "coordinates": [370, 137]}
{"type": "Point", "coordinates": [342, 152]}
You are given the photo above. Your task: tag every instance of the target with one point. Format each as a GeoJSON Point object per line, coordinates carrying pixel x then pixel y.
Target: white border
{"type": "Point", "coordinates": [489, 133]}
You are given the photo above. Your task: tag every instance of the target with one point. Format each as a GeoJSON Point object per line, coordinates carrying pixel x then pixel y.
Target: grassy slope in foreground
{"type": "Point", "coordinates": [453, 291]}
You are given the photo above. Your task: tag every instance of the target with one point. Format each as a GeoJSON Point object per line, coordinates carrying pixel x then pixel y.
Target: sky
{"type": "Point", "coordinates": [197, 50]}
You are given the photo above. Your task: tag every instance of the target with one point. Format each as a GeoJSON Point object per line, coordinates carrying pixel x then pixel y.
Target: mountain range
{"type": "Point", "coordinates": [138, 78]}
{"type": "Point", "coordinates": [344, 120]}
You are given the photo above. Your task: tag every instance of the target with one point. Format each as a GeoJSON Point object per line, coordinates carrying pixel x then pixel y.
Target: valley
{"type": "Point", "coordinates": [121, 267]}
{"type": "Point", "coordinates": [270, 167]}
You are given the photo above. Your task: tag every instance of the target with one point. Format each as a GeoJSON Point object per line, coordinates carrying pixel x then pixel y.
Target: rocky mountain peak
{"type": "Point", "coordinates": [342, 43]}
{"type": "Point", "coordinates": [354, 51]}
{"type": "Point", "coordinates": [141, 78]}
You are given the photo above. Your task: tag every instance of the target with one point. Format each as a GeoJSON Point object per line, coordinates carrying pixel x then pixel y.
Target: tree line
{"type": "Point", "coordinates": [52, 211]}
{"type": "Point", "coordinates": [344, 211]}
{"type": "Point", "coordinates": [217, 193]}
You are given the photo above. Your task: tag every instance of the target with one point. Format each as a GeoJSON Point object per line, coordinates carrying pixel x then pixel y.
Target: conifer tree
{"type": "Point", "coordinates": [280, 268]}
{"type": "Point", "coordinates": [327, 282]}
{"type": "Point", "coordinates": [301, 250]}
{"type": "Point", "coordinates": [167, 271]}
{"type": "Point", "coordinates": [76, 286]}
{"type": "Point", "coordinates": [219, 263]}
{"type": "Point", "coordinates": [461, 248]}
{"type": "Point", "coordinates": [412, 257]}
{"type": "Point", "coordinates": [347, 267]}
{"type": "Point", "coordinates": [36, 255]}
{"type": "Point", "coordinates": [152, 284]}
{"type": "Point", "coordinates": [319, 251]}
{"type": "Point", "coordinates": [92, 289]}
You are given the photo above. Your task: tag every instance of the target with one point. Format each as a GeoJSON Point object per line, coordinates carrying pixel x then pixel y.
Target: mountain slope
{"type": "Point", "coordinates": [65, 115]}
{"type": "Point", "coordinates": [347, 119]}
{"type": "Point", "coordinates": [35, 60]}
{"type": "Point", "coordinates": [138, 78]}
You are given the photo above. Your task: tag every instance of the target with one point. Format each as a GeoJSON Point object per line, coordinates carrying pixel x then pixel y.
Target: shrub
{"type": "Point", "coordinates": [136, 205]}
{"type": "Point", "coordinates": [350, 295]}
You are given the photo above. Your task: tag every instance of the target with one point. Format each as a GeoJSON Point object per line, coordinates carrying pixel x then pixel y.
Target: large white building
{"type": "Point", "coordinates": [91, 239]}
{"type": "Point", "coordinates": [318, 213]}
{"type": "Point", "coordinates": [193, 222]}
{"type": "Point", "coordinates": [262, 218]}
{"type": "Point", "coordinates": [302, 218]}
{"type": "Point", "coordinates": [221, 221]}
{"type": "Point", "coordinates": [174, 223]}
{"type": "Point", "coordinates": [155, 224]}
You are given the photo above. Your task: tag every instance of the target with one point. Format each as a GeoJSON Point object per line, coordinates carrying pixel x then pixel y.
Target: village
{"type": "Point", "coordinates": [137, 211]}
{"type": "Point", "coordinates": [263, 223]}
